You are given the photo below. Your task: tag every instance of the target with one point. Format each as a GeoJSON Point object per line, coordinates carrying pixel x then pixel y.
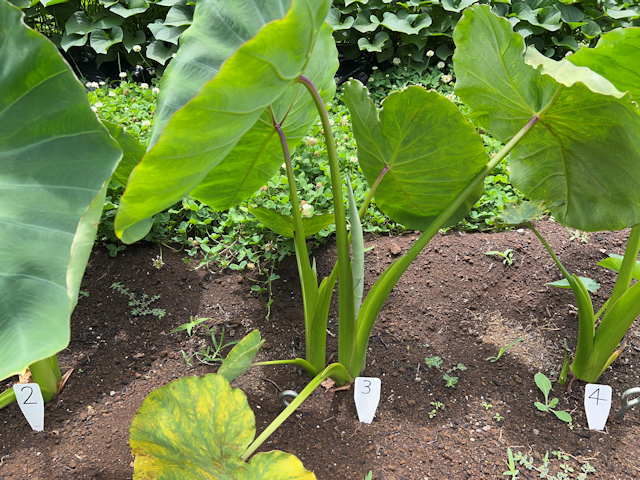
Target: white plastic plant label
{"type": "Point", "coordinates": [597, 403]}
{"type": "Point", "coordinates": [29, 398]}
{"type": "Point", "coordinates": [367, 396]}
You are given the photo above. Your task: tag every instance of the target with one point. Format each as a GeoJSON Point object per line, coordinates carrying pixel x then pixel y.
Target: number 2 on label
{"type": "Point", "coordinates": [26, 400]}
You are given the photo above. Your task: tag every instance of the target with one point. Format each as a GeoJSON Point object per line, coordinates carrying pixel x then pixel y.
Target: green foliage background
{"type": "Point", "coordinates": [389, 28]}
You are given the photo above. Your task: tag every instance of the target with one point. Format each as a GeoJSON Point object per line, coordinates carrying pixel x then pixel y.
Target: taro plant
{"type": "Point", "coordinates": [250, 102]}
{"type": "Point", "coordinates": [55, 162]}
{"type": "Point", "coordinates": [581, 159]}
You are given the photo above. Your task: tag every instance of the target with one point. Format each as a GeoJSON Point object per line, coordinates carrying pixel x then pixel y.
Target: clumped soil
{"type": "Point", "coordinates": [454, 302]}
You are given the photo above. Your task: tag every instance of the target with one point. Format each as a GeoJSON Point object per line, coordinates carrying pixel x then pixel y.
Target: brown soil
{"type": "Point", "coordinates": [454, 302]}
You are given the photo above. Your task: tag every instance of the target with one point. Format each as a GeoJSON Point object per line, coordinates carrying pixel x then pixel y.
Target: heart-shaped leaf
{"type": "Point", "coordinates": [423, 148]}
{"type": "Point", "coordinates": [197, 428]}
{"type": "Point", "coordinates": [55, 161]}
{"type": "Point", "coordinates": [568, 156]}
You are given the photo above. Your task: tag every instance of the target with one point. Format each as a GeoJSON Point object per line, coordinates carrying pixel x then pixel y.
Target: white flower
{"type": "Point", "coordinates": [98, 105]}
{"type": "Point", "coordinates": [126, 109]}
{"type": "Point", "coordinates": [101, 83]}
{"type": "Point", "coordinates": [155, 90]}
{"type": "Point", "coordinates": [452, 97]}
{"type": "Point", "coordinates": [94, 109]}
{"type": "Point", "coordinates": [374, 68]}
{"type": "Point", "coordinates": [95, 85]}
{"type": "Point", "coordinates": [307, 210]}
{"type": "Point", "coordinates": [136, 48]}
{"type": "Point", "coordinates": [568, 53]}
{"type": "Point", "coordinates": [430, 53]}
{"type": "Point", "coordinates": [173, 56]}
{"type": "Point", "coordinates": [446, 78]}
{"type": "Point", "coordinates": [353, 159]}
{"type": "Point", "coordinates": [396, 61]}
{"type": "Point", "coordinates": [284, 165]}
{"type": "Point", "coordinates": [145, 123]}
{"type": "Point", "coordinates": [112, 93]}
{"type": "Point", "coordinates": [344, 120]}
{"type": "Point", "coordinates": [123, 74]}
{"type": "Point", "coordinates": [440, 65]}
{"type": "Point", "coordinates": [88, 85]}
{"type": "Point", "coordinates": [144, 86]}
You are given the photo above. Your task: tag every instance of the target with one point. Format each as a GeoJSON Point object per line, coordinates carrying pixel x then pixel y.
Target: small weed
{"type": "Point", "coordinates": [513, 471]}
{"type": "Point", "coordinates": [449, 380]}
{"type": "Point", "coordinates": [433, 362]}
{"type": "Point", "coordinates": [436, 406]}
{"type": "Point", "coordinates": [141, 306]}
{"type": "Point", "coordinates": [369, 475]}
{"type": "Point", "coordinates": [209, 355]}
{"type": "Point", "coordinates": [544, 384]}
{"type": "Point", "coordinates": [486, 405]}
{"type": "Point", "coordinates": [578, 235]}
{"type": "Point", "coordinates": [503, 350]}
{"type": "Point", "coordinates": [498, 417]}
{"type": "Point", "coordinates": [190, 325]}
{"type": "Point", "coordinates": [564, 469]}
{"type": "Point", "coordinates": [507, 256]}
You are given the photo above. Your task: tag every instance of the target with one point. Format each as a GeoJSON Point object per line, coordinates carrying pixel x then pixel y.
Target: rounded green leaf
{"type": "Point", "coordinates": [101, 41]}
{"type": "Point", "coordinates": [194, 428]}
{"type": "Point", "coordinates": [55, 161]}
{"type": "Point", "coordinates": [425, 148]}
{"type": "Point", "coordinates": [197, 428]}
{"type": "Point", "coordinates": [226, 107]}
{"type": "Point", "coordinates": [582, 154]}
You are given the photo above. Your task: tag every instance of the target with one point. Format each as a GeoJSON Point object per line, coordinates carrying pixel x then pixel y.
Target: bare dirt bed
{"type": "Point", "coordinates": [454, 302]}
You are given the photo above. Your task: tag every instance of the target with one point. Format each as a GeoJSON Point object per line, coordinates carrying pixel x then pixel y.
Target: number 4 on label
{"type": "Point", "coordinates": [29, 398]}
{"type": "Point", "coordinates": [597, 403]}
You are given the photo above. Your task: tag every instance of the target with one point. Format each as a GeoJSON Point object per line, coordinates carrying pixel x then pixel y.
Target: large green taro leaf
{"type": "Point", "coordinates": [197, 428]}
{"type": "Point", "coordinates": [258, 155]}
{"type": "Point", "coordinates": [200, 134]}
{"type": "Point", "coordinates": [429, 151]}
{"type": "Point", "coordinates": [55, 161]}
{"type": "Point", "coordinates": [583, 155]}
{"type": "Point", "coordinates": [616, 58]}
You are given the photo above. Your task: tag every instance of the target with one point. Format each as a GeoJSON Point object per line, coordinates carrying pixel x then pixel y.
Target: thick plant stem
{"type": "Point", "coordinates": [46, 373]}
{"type": "Point", "coordinates": [346, 309]}
{"type": "Point", "coordinates": [628, 263]}
{"type": "Point", "coordinates": [383, 286]}
{"type": "Point", "coordinates": [315, 347]}
{"type": "Point", "coordinates": [335, 370]}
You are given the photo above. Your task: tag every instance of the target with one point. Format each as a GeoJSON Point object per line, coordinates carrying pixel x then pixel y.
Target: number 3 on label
{"type": "Point", "coordinates": [366, 394]}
